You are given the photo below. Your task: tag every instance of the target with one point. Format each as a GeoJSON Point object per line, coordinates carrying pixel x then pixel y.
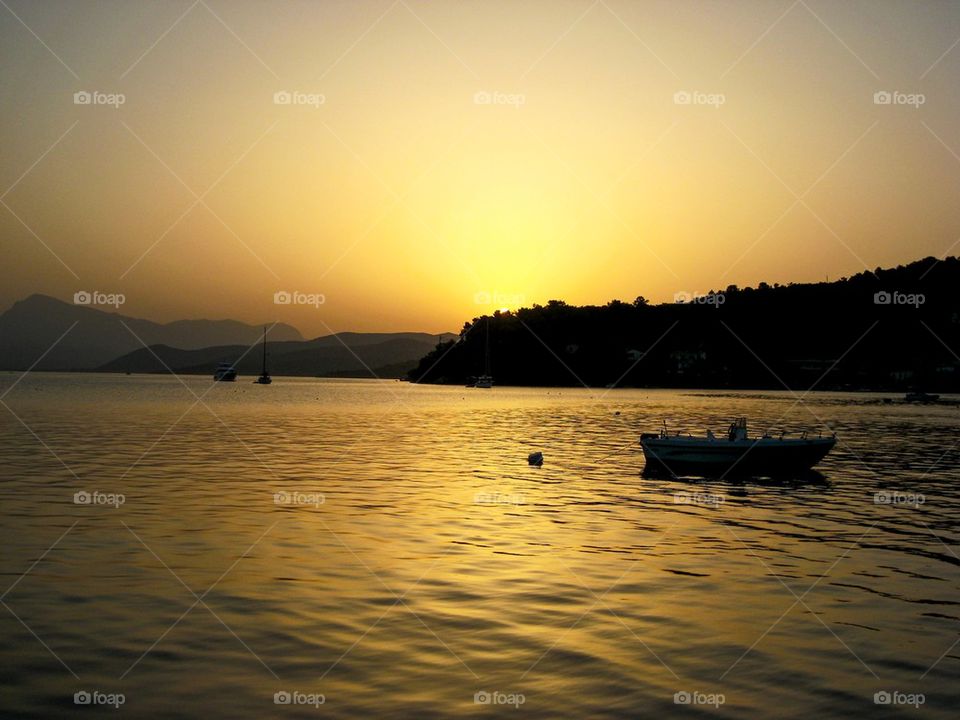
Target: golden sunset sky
{"type": "Point", "coordinates": [444, 153]}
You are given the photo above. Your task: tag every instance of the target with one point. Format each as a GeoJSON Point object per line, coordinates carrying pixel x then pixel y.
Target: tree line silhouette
{"type": "Point", "coordinates": [890, 329]}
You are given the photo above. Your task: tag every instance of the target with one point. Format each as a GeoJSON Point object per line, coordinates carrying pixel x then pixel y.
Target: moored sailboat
{"type": "Point", "coordinates": [486, 380]}
{"type": "Point", "coordinates": [264, 378]}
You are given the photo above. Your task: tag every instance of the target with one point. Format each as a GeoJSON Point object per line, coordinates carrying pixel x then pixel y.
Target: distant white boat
{"type": "Point", "coordinates": [712, 455]}
{"type": "Point", "coordinates": [225, 372]}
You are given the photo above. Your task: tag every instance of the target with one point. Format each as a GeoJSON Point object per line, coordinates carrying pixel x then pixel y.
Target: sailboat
{"type": "Point", "coordinates": [264, 378]}
{"type": "Point", "coordinates": [486, 380]}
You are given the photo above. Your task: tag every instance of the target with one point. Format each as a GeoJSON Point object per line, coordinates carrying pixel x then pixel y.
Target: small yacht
{"type": "Point", "coordinates": [734, 453]}
{"type": "Point", "coordinates": [225, 372]}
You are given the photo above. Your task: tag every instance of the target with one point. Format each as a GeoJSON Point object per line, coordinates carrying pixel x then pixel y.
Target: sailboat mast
{"type": "Point", "coordinates": [486, 354]}
{"type": "Point", "coordinates": [264, 351]}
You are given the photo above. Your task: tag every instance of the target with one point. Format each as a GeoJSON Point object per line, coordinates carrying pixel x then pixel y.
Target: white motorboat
{"type": "Point", "coordinates": [736, 453]}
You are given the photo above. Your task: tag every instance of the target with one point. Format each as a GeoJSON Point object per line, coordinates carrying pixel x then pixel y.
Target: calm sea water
{"type": "Point", "coordinates": [387, 549]}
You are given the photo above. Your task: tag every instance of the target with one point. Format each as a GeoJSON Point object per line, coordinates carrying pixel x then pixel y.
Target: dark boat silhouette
{"type": "Point", "coordinates": [735, 454]}
{"type": "Point", "coordinates": [485, 381]}
{"type": "Point", "coordinates": [225, 372]}
{"type": "Point", "coordinates": [917, 396]}
{"type": "Point", "coordinates": [264, 378]}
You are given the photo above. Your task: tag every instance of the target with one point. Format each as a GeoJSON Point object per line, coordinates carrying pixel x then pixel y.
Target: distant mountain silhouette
{"type": "Point", "coordinates": [385, 355]}
{"type": "Point", "coordinates": [99, 341]}
{"type": "Point", "coordinates": [892, 329]}
{"type": "Point", "coordinates": [30, 327]}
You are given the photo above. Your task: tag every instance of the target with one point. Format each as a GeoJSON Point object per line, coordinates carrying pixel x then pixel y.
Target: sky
{"type": "Point", "coordinates": [402, 165]}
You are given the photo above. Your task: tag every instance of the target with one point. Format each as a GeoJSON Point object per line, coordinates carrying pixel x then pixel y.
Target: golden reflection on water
{"type": "Point", "coordinates": [388, 546]}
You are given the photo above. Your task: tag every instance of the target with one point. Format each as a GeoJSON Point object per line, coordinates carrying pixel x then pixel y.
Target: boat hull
{"type": "Point", "coordinates": [712, 458]}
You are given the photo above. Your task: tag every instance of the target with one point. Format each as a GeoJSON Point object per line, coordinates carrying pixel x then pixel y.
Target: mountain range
{"type": "Point", "coordinates": [48, 334]}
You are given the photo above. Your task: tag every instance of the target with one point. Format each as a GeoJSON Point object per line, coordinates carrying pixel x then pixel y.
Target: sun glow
{"type": "Point", "coordinates": [570, 171]}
